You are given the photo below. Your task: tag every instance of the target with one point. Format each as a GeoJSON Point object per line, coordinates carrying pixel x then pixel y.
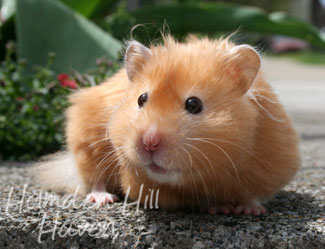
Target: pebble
{"type": "Point", "coordinates": [198, 245]}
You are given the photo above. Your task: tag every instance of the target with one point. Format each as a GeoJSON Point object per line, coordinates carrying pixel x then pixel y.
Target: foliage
{"type": "Point", "coordinates": [7, 25]}
{"type": "Point", "coordinates": [93, 8]}
{"type": "Point", "coordinates": [8, 8]}
{"type": "Point", "coordinates": [214, 17]}
{"type": "Point", "coordinates": [32, 106]}
{"type": "Point", "coordinates": [84, 7]}
{"type": "Point", "coordinates": [76, 41]}
{"type": "Point", "coordinates": [65, 26]}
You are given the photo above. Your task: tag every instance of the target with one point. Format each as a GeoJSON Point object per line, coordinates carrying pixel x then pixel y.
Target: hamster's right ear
{"type": "Point", "coordinates": [247, 63]}
{"type": "Point", "coordinates": [136, 56]}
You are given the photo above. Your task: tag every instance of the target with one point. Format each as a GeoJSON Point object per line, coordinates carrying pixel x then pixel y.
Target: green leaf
{"type": "Point", "coordinates": [84, 7]}
{"type": "Point", "coordinates": [90, 8]}
{"type": "Point", "coordinates": [213, 17]}
{"type": "Point", "coordinates": [8, 8]}
{"type": "Point", "coordinates": [7, 26]}
{"type": "Point", "coordinates": [45, 26]}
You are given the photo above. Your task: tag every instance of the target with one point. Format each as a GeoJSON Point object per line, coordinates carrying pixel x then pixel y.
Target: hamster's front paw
{"type": "Point", "coordinates": [101, 198]}
{"type": "Point", "coordinates": [254, 208]}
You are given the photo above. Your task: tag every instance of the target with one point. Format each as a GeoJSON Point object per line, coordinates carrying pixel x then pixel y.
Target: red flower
{"type": "Point", "coordinates": [69, 83]}
{"type": "Point", "coordinates": [62, 77]}
{"type": "Point", "coordinates": [66, 82]}
{"type": "Point", "coordinates": [36, 108]}
{"type": "Point", "coordinates": [19, 98]}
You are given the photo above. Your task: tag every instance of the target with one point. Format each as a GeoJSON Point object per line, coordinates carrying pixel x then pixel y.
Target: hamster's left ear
{"type": "Point", "coordinates": [136, 56]}
{"type": "Point", "coordinates": [248, 63]}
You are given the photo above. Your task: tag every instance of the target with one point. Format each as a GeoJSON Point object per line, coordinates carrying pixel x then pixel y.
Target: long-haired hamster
{"type": "Point", "coordinates": [194, 120]}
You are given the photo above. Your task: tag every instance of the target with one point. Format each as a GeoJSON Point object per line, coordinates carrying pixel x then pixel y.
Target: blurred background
{"type": "Point", "coordinates": [50, 48]}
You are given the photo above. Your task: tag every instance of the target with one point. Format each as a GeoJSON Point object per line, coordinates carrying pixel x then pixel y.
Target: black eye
{"type": "Point", "coordinates": [193, 105]}
{"type": "Point", "coordinates": [142, 99]}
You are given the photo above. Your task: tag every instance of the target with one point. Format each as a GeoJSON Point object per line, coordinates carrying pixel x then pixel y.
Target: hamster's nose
{"type": "Point", "coordinates": [151, 140]}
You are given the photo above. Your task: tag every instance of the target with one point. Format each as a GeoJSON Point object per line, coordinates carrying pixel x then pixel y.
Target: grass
{"type": "Point", "coordinates": [307, 57]}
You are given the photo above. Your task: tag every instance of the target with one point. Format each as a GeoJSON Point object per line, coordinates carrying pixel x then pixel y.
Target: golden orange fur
{"type": "Point", "coordinates": [241, 148]}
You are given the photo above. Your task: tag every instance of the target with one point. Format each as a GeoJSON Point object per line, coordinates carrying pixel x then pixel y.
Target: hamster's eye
{"type": "Point", "coordinates": [193, 105]}
{"type": "Point", "coordinates": [142, 99]}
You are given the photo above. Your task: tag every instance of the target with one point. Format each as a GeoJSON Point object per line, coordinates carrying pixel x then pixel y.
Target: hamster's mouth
{"type": "Point", "coordinates": [163, 175]}
{"type": "Point", "coordinates": [158, 169]}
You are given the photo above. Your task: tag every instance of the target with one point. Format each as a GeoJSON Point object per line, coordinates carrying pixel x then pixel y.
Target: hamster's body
{"type": "Point", "coordinates": [139, 131]}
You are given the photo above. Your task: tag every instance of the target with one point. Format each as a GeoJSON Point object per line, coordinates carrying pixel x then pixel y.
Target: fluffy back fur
{"type": "Point", "coordinates": [59, 172]}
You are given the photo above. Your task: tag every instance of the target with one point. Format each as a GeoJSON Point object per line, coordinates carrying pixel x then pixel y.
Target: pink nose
{"type": "Point", "coordinates": [151, 140]}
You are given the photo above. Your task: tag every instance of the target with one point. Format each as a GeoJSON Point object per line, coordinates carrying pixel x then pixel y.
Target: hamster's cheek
{"type": "Point", "coordinates": [120, 133]}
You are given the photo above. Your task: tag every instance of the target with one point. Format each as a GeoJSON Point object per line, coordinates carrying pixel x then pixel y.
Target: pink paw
{"type": "Point", "coordinates": [254, 208]}
{"type": "Point", "coordinates": [101, 198]}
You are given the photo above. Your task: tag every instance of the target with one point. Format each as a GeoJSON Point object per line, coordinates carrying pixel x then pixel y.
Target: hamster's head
{"type": "Point", "coordinates": [186, 113]}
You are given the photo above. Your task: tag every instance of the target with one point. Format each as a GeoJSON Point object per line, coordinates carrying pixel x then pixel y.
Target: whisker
{"type": "Point", "coordinates": [227, 142]}
{"type": "Point", "coordinates": [267, 113]}
{"type": "Point", "coordinates": [211, 167]}
{"type": "Point", "coordinates": [227, 155]}
{"type": "Point", "coordinates": [193, 189]}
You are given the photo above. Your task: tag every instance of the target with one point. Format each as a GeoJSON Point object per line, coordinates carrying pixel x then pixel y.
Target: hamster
{"type": "Point", "coordinates": [194, 120]}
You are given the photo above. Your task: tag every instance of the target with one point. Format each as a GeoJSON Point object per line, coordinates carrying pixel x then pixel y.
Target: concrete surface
{"type": "Point", "coordinates": [276, 69]}
{"type": "Point", "coordinates": [295, 218]}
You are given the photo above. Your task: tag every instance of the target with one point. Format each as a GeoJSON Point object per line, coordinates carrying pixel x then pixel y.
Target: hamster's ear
{"type": "Point", "coordinates": [136, 56]}
{"type": "Point", "coordinates": [247, 63]}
